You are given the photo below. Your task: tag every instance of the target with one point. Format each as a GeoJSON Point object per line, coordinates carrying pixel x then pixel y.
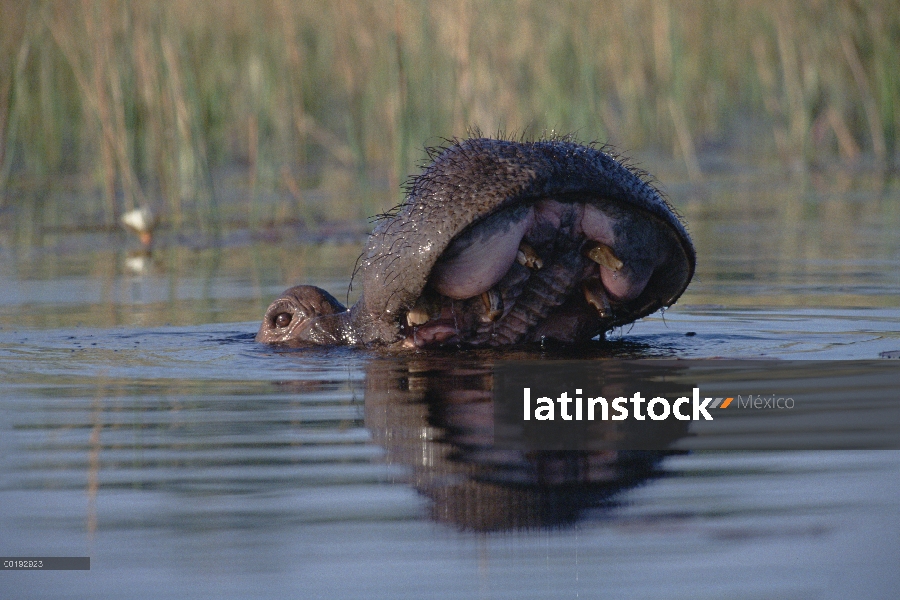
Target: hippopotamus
{"type": "Point", "coordinates": [503, 242]}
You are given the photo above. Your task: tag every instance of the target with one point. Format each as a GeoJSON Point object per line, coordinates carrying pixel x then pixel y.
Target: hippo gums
{"type": "Point", "coordinates": [502, 242]}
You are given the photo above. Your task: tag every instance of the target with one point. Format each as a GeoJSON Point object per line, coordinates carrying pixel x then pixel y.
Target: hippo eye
{"type": "Point", "coordinates": [282, 320]}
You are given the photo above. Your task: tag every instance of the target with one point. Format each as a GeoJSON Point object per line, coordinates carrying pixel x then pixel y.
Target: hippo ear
{"type": "Point", "coordinates": [288, 318]}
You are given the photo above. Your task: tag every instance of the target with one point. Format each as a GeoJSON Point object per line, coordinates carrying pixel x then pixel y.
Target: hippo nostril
{"type": "Point", "coordinates": [282, 320]}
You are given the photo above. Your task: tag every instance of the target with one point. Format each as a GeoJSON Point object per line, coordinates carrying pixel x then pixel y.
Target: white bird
{"type": "Point", "coordinates": [142, 221]}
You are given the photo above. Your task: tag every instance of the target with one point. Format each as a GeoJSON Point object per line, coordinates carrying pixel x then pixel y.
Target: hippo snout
{"type": "Point", "coordinates": [502, 242]}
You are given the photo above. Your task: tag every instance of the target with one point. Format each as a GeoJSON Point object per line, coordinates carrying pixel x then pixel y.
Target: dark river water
{"type": "Point", "coordinates": [141, 425]}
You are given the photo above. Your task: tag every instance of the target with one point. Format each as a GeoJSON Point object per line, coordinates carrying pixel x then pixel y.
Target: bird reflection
{"type": "Point", "coordinates": [142, 222]}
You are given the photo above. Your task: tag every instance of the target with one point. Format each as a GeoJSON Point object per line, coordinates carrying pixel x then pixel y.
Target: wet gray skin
{"type": "Point", "coordinates": [502, 242]}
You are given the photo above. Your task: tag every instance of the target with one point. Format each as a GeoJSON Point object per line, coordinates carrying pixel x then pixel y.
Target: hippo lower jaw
{"type": "Point", "coordinates": [504, 243]}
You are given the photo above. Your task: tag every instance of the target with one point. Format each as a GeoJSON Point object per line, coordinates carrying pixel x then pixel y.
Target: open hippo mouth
{"type": "Point", "coordinates": [502, 242]}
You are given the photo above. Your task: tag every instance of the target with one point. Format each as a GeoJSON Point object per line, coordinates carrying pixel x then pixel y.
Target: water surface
{"type": "Point", "coordinates": [142, 426]}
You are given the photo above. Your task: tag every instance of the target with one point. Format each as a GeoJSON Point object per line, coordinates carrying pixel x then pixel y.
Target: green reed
{"type": "Point", "coordinates": [145, 101]}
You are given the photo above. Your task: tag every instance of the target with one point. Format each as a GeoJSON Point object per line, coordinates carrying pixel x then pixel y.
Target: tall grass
{"type": "Point", "coordinates": [143, 100]}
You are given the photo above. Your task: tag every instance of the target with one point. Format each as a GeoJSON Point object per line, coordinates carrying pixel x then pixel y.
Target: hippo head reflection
{"type": "Point", "coordinates": [435, 415]}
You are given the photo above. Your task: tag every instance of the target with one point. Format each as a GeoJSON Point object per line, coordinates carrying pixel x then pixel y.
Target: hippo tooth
{"type": "Point", "coordinates": [417, 316]}
{"type": "Point", "coordinates": [603, 255]}
{"type": "Point", "coordinates": [596, 296]}
{"type": "Point", "coordinates": [528, 257]}
{"type": "Point", "coordinates": [493, 304]}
